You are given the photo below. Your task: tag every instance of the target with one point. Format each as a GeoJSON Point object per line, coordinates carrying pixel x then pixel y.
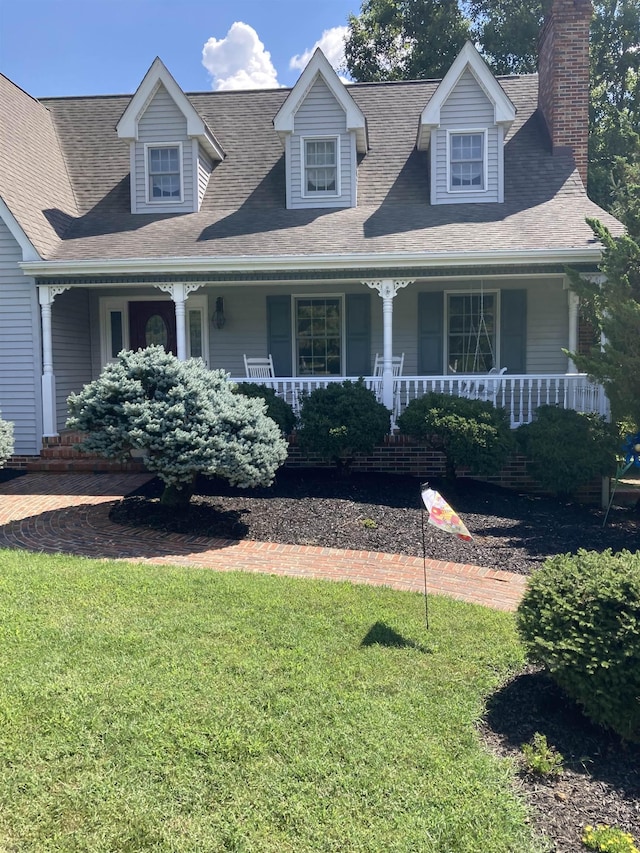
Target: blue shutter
{"type": "Point", "coordinates": [513, 330]}
{"type": "Point", "coordinates": [430, 333]}
{"type": "Point", "coordinates": [279, 333]}
{"type": "Point", "coordinates": [358, 326]}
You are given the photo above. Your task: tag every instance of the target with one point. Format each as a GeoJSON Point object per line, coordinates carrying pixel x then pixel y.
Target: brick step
{"type": "Point", "coordinates": [61, 453]}
{"type": "Point", "coordinates": [84, 464]}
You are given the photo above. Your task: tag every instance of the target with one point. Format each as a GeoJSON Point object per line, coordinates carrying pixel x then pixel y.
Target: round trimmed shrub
{"type": "Point", "coordinates": [566, 450]}
{"type": "Point", "coordinates": [341, 421]}
{"type": "Point", "coordinates": [277, 409]}
{"type": "Point", "coordinates": [580, 618]}
{"type": "Point", "coordinates": [6, 440]}
{"type": "Point", "coordinates": [470, 433]}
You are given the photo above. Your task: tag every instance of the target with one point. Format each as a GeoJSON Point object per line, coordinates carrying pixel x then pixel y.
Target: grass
{"type": "Point", "coordinates": [149, 708]}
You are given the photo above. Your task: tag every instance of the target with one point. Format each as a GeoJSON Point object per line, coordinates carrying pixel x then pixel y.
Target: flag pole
{"type": "Point", "coordinates": [424, 557]}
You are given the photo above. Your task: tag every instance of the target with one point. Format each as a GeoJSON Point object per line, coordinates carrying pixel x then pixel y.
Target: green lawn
{"type": "Point", "coordinates": [172, 709]}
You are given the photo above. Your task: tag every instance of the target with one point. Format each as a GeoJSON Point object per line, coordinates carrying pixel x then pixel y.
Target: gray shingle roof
{"type": "Point", "coordinates": [34, 183]}
{"type": "Point", "coordinates": [243, 211]}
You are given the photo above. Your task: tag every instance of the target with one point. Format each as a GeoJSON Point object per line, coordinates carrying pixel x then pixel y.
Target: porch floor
{"type": "Point", "coordinates": [69, 513]}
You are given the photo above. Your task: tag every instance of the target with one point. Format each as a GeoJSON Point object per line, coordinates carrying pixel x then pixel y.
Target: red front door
{"type": "Point", "coordinates": [152, 323]}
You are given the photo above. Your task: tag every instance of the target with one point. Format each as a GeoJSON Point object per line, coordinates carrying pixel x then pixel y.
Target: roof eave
{"type": "Point", "coordinates": [267, 263]}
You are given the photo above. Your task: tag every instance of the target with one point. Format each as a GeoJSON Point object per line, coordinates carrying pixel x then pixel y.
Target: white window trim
{"type": "Point", "coordinates": [196, 302]}
{"type": "Point", "coordinates": [149, 199]}
{"type": "Point", "coordinates": [343, 331]}
{"type": "Point", "coordinates": [485, 159]}
{"type": "Point", "coordinates": [303, 167]}
{"type": "Point", "coordinates": [473, 291]}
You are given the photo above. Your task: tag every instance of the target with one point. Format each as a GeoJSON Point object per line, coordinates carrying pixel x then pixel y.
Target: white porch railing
{"type": "Point", "coordinates": [520, 395]}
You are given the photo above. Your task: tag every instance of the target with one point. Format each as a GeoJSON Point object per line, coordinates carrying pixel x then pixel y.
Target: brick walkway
{"type": "Point", "coordinates": [69, 513]}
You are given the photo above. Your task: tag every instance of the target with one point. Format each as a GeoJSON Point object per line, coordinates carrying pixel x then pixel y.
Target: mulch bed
{"type": "Point", "coordinates": [600, 782]}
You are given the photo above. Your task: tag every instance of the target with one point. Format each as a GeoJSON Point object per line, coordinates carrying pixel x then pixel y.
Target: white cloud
{"type": "Point", "coordinates": [331, 43]}
{"type": "Point", "coordinates": [239, 60]}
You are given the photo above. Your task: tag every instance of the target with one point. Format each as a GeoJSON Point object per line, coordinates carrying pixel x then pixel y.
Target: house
{"type": "Point", "coordinates": [320, 224]}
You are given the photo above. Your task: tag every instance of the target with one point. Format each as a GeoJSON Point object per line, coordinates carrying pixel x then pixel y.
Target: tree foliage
{"type": "Point", "coordinates": [612, 306]}
{"type": "Point", "coordinates": [185, 417]}
{"type": "Point", "coordinates": [404, 39]}
{"type": "Point", "coordinates": [6, 440]}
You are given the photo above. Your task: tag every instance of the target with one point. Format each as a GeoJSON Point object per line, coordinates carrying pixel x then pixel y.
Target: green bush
{"type": "Point", "coordinates": [580, 618]}
{"type": "Point", "coordinates": [566, 450]}
{"type": "Point", "coordinates": [6, 440]}
{"type": "Point", "coordinates": [185, 417]}
{"type": "Point", "coordinates": [470, 433]}
{"type": "Point", "coordinates": [277, 409]}
{"type": "Point", "coordinates": [340, 421]}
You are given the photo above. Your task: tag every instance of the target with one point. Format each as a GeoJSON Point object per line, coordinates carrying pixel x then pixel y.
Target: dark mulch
{"type": "Point", "coordinates": [601, 780]}
{"type": "Point", "coordinates": [373, 512]}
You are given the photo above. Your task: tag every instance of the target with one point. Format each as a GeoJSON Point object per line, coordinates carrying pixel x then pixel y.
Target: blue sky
{"type": "Point", "coordinates": [92, 47]}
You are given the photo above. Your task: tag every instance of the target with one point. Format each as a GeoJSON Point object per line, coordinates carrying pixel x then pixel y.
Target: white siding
{"type": "Point", "coordinates": [321, 115]}
{"type": "Point", "coordinates": [20, 395]}
{"type": "Point", "coordinates": [163, 122]}
{"type": "Point", "coordinates": [70, 327]}
{"type": "Point", "coordinates": [204, 172]}
{"type": "Point", "coordinates": [466, 108]}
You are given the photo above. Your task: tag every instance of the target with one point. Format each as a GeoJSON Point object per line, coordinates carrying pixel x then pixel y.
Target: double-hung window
{"type": "Point", "coordinates": [318, 339]}
{"type": "Point", "coordinates": [164, 173]}
{"type": "Point", "coordinates": [472, 332]}
{"type": "Point", "coordinates": [321, 166]}
{"type": "Point", "coordinates": [467, 161]}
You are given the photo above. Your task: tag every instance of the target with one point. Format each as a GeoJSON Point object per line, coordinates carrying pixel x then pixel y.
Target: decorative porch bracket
{"type": "Point", "coordinates": [179, 292]}
{"type": "Point", "coordinates": [46, 295]}
{"type": "Point", "coordinates": [387, 289]}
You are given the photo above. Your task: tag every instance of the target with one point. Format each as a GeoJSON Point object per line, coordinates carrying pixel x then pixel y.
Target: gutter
{"type": "Point", "coordinates": [288, 263]}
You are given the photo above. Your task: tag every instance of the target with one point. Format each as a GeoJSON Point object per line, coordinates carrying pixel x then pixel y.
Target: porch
{"type": "Point", "coordinates": [519, 394]}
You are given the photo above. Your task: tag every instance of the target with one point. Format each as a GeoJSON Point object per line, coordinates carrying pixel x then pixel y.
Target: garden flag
{"type": "Point", "coordinates": [441, 515]}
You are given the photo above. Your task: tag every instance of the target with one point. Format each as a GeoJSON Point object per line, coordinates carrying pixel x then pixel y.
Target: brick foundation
{"type": "Point", "coordinates": [398, 455]}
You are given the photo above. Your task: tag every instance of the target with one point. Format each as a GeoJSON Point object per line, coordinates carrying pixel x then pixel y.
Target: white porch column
{"type": "Point", "coordinates": [387, 289]}
{"type": "Point", "coordinates": [574, 302]}
{"type": "Point", "coordinates": [46, 294]}
{"type": "Point", "coordinates": [179, 292]}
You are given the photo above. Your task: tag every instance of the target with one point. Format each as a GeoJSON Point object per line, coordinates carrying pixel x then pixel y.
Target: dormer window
{"type": "Point", "coordinates": [467, 160]}
{"type": "Point", "coordinates": [164, 173]}
{"type": "Point", "coordinates": [321, 176]}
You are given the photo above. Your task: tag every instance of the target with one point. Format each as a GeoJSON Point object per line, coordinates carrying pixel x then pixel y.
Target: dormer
{"type": "Point", "coordinates": [323, 131]}
{"type": "Point", "coordinates": [172, 150]}
{"type": "Point", "coordinates": [464, 126]}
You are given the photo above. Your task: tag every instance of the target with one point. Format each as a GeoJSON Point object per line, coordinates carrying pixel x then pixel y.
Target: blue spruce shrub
{"type": "Point", "coordinates": [186, 418]}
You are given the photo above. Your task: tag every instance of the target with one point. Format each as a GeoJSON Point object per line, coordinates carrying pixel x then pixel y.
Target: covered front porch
{"type": "Point", "coordinates": [497, 337]}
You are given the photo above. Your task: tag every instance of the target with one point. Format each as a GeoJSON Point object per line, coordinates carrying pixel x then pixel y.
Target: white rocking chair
{"type": "Point", "coordinates": [259, 368]}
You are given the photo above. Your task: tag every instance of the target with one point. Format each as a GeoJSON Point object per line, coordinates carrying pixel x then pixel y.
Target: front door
{"type": "Point", "coordinates": [152, 322]}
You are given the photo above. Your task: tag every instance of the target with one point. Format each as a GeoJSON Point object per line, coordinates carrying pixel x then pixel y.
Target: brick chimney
{"type": "Point", "coordinates": [563, 78]}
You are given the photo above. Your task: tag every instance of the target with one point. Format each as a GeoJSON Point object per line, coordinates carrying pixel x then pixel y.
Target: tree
{"type": "Point", "coordinates": [508, 32]}
{"type": "Point", "coordinates": [612, 306]}
{"type": "Point", "coordinates": [186, 418]}
{"type": "Point", "coordinates": [404, 39]}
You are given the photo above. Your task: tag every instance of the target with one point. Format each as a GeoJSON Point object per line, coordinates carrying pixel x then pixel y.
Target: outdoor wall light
{"type": "Point", "coordinates": [218, 318]}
